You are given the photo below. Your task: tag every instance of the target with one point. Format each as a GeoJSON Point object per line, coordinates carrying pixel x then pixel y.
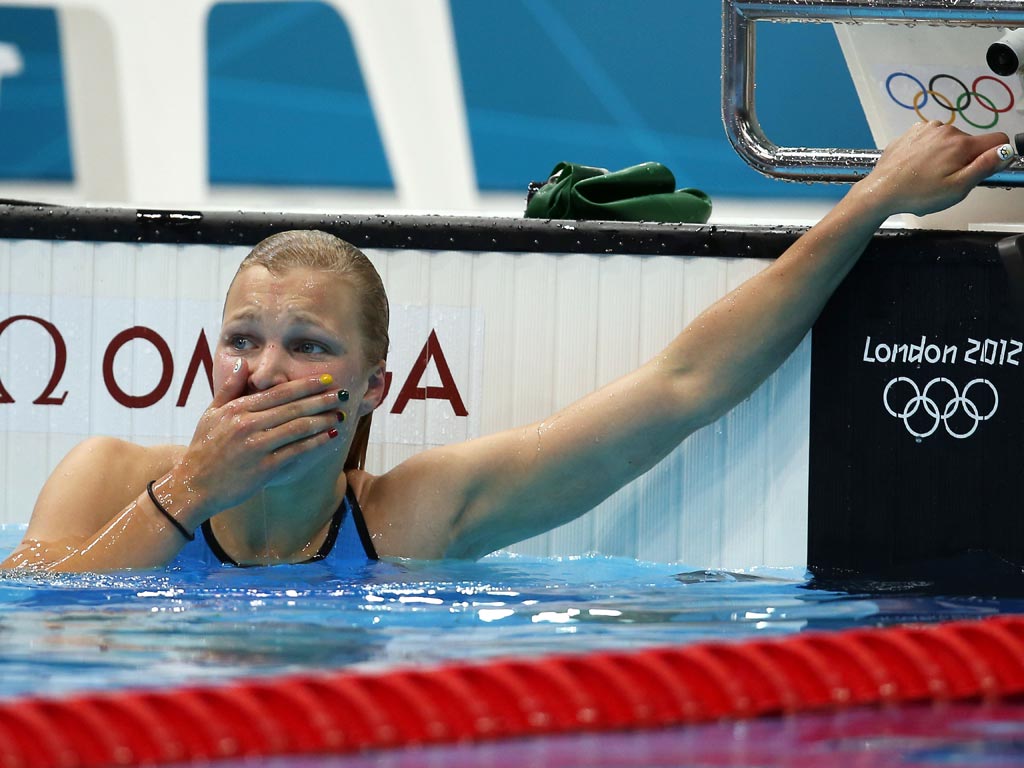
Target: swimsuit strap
{"type": "Point", "coordinates": [214, 545]}
{"type": "Point", "coordinates": [360, 521]}
{"type": "Point", "coordinates": [348, 502]}
{"type": "Point", "coordinates": [332, 532]}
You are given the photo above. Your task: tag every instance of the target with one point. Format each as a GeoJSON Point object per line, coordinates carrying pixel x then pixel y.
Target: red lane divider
{"type": "Point", "coordinates": [341, 713]}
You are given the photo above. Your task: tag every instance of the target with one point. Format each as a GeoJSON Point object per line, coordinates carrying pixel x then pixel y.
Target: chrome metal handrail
{"type": "Point", "coordinates": [739, 39]}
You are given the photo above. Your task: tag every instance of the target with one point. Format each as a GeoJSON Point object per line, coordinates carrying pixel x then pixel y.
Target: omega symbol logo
{"type": "Point", "coordinates": [922, 411]}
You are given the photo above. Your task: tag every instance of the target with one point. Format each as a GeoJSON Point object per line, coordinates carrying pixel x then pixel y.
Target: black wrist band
{"type": "Point", "coordinates": [168, 515]}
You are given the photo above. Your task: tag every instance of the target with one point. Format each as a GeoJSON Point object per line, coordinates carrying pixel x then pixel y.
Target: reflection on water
{"type": "Point", "coordinates": [157, 628]}
{"type": "Point", "coordinates": [965, 735]}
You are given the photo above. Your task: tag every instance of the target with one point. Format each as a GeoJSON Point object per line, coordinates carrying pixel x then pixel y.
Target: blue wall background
{"type": "Point", "coordinates": [33, 121]}
{"type": "Point", "coordinates": [607, 84]}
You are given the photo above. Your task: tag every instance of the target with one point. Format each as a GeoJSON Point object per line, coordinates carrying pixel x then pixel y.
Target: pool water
{"type": "Point", "coordinates": [67, 634]}
{"type": "Point", "coordinates": [63, 634]}
{"type": "Point", "coordinates": [961, 735]}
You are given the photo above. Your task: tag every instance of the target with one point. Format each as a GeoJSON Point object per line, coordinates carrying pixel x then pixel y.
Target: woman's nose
{"type": "Point", "coordinates": [268, 369]}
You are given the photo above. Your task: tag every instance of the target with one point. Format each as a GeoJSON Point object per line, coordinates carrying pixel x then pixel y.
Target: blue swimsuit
{"type": "Point", "coordinates": [347, 541]}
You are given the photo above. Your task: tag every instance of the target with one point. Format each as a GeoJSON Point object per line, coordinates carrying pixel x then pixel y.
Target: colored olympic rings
{"type": "Point", "coordinates": [953, 402]}
{"type": "Point", "coordinates": [958, 106]}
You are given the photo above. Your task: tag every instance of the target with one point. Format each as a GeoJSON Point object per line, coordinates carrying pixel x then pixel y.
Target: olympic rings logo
{"type": "Point", "coordinates": [958, 106]}
{"type": "Point", "coordinates": [932, 413]}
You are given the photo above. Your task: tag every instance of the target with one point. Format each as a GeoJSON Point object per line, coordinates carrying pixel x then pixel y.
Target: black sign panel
{"type": "Point", "coordinates": [917, 412]}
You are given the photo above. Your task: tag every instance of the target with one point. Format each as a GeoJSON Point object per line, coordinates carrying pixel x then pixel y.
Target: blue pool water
{"type": "Point", "coordinates": [67, 634]}
{"type": "Point", "coordinates": [71, 633]}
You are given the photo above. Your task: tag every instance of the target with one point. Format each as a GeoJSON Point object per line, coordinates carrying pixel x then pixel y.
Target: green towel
{"type": "Point", "coordinates": [645, 192]}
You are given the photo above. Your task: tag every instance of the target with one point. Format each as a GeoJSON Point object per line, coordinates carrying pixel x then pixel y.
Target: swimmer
{"type": "Point", "coordinates": [274, 473]}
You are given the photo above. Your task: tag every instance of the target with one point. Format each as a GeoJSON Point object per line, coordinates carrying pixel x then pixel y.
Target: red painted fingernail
{"type": "Point", "coordinates": [332, 433]}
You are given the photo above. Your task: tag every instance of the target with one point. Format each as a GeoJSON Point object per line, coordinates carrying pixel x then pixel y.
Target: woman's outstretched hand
{"type": "Point", "coordinates": [933, 166]}
{"type": "Point", "coordinates": [243, 443]}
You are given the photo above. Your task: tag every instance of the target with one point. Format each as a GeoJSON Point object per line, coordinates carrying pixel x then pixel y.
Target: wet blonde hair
{"type": "Point", "coordinates": [313, 249]}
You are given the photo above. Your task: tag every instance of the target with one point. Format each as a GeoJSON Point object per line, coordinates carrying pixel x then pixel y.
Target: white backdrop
{"type": "Point", "coordinates": [515, 336]}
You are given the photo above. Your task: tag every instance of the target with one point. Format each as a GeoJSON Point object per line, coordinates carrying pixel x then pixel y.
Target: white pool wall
{"type": "Point", "coordinates": [523, 334]}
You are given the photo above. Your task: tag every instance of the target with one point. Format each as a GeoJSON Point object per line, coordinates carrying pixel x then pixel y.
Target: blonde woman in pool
{"type": "Point", "coordinates": [273, 473]}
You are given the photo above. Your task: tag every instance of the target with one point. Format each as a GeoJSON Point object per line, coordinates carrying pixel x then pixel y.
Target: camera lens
{"type": "Point", "coordinates": [1001, 59]}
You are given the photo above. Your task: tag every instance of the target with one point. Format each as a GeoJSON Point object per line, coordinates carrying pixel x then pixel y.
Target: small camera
{"type": "Point", "coordinates": [1006, 55]}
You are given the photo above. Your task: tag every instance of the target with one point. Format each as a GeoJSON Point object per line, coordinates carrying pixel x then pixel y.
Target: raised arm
{"type": "Point", "coordinates": [500, 489]}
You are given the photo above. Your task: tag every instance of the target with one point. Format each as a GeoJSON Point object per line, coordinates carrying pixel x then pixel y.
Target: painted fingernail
{"type": "Point", "coordinates": [341, 415]}
{"type": "Point", "coordinates": [1006, 153]}
{"type": "Point", "coordinates": [326, 378]}
{"type": "Point", "coordinates": [238, 365]}
{"type": "Point", "coordinates": [332, 433]}
{"type": "Point", "coordinates": [343, 395]}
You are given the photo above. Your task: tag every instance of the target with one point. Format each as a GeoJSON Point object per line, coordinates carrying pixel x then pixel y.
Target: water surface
{"type": "Point", "coordinates": [61, 634]}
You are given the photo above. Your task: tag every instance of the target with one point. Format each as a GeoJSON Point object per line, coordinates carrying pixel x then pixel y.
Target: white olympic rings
{"type": "Point", "coordinates": [956, 401]}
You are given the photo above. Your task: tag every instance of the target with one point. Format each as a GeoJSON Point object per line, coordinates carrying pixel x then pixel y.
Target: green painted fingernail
{"type": "Point", "coordinates": [343, 395]}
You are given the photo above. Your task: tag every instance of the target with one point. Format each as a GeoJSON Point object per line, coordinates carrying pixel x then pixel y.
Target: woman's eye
{"type": "Point", "coordinates": [239, 343]}
{"type": "Point", "coordinates": [311, 348]}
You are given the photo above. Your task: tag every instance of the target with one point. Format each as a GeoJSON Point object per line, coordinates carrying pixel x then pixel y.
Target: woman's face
{"type": "Point", "coordinates": [302, 323]}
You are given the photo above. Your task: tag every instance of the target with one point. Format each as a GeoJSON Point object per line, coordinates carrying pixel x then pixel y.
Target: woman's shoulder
{"type": "Point", "coordinates": [410, 509]}
{"type": "Point", "coordinates": [100, 475]}
{"type": "Point", "coordinates": [105, 455]}
{"type": "Point", "coordinates": [97, 478]}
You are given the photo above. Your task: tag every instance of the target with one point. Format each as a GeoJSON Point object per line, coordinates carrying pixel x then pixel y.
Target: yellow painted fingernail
{"type": "Point", "coordinates": [326, 378]}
